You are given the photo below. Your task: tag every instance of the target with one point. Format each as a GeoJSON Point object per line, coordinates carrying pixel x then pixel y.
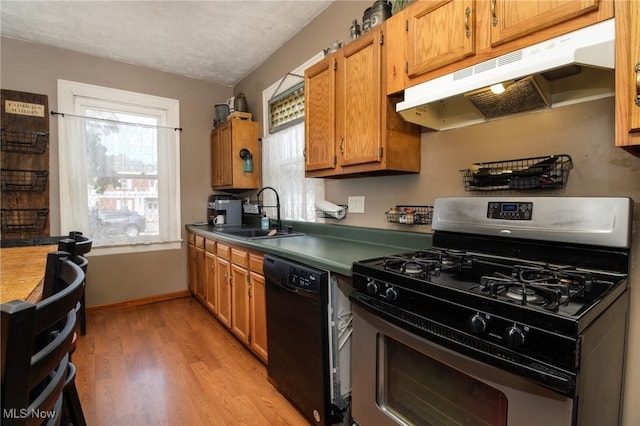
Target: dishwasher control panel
{"type": "Point", "coordinates": [304, 279]}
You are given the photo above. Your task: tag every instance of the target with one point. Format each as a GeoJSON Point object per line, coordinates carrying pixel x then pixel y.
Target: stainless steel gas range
{"type": "Point", "coordinates": [516, 316]}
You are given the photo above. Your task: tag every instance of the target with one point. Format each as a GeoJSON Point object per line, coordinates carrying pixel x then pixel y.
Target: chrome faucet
{"type": "Point", "coordinates": [278, 222]}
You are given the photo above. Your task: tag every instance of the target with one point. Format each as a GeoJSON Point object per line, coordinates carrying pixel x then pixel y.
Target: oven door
{"type": "Point", "coordinates": [401, 378]}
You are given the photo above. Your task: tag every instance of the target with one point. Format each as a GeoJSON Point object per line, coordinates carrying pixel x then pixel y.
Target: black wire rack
{"type": "Point", "coordinates": [19, 180]}
{"type": "Point", "coordinates": [410, 215]}
{"type": "Point", "coordinates": [24, 142]}
{"type": "Point", "coordinates": [338, 214]}
{"type": "Point", "coordinates": [534, 173]}
{"type": "Point", "coordinates": [23, 220]}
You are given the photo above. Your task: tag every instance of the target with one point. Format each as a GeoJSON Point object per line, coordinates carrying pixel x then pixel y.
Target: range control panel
{"type": "Point", "coordinates": [509, 210]}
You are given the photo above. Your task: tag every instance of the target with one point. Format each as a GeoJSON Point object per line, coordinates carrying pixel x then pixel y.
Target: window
{"type": "Point", "coordinates": [283, 148]}
{"type": "Point", "coordinates": [119, 167]}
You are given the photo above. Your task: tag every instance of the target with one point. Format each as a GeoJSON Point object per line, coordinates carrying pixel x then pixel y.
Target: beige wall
{"type": "Point", "coordinates": [585, 132]}
{"type": "Point", "coordinates": [36, 68]}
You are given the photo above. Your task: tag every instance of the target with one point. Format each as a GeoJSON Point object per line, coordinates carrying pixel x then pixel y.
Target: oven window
{"type": "Point", "coordinates": [419, 390]}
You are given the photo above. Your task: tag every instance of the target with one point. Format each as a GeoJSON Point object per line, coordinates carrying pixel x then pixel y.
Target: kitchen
{"type": "Point", "coordinates": [585, 131]}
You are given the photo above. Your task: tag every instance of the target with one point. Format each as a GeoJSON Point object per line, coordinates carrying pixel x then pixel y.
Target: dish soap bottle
{"type": "Point", "coordinates": [264, 222]}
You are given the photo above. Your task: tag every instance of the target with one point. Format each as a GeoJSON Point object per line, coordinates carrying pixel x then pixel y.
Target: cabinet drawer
{"type": "Point", "coordinates": [199, 241]}
{"type": "Point", "coordinates": [210, 246]}
{"type": "Point", "coordinates": [191, 238]}
{"type": "Point", "coordinates": [223, 251]}
{"type": "Point", "coordinates": [239, 257]}
{"type": "Point", "coordinates": [255, 263]}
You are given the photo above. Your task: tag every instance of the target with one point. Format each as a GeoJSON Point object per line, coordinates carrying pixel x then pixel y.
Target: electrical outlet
{"type": "Point", "coordinates": [356, 204]}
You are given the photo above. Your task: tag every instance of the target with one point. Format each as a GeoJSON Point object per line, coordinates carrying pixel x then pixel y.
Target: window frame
{"type": "Point", "coordinates": [68, 93]}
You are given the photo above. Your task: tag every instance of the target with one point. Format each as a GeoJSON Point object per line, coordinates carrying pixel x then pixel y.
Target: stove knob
{"type": "Point", "coordinates": [477, 323]}
{"type": "Point", "coordinates": [372, 287]}
{"type": "Point", "coordinates": [514, 336]}
{"type": "Point", "coordinates": [391, 294]}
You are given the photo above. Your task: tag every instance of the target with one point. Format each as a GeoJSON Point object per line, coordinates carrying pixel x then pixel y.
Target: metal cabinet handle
{"type": "Point", "coordinates": [342, 145]}
{"type": "Point", "coordinates": [637, 84]}
{"type": "Point", "coordinates": [494, 16]}
{"type": "Point", "coordinates": [467, 12]}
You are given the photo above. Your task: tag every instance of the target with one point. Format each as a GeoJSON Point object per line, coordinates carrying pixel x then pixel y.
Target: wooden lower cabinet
{"type": "Point", "coordinates": [223, 283]}
{"type": "Point", "coordinates": [233, 289]}
{"type": "Point", "coordinates": [196, 281]}
{"type": "Point", "coordinates": [258, 300]}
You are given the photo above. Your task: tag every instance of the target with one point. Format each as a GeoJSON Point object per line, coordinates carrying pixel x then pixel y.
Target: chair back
{"type": "Point", "coordinates": [36, 340]}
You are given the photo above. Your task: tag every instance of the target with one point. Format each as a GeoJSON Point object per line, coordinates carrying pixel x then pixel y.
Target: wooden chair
{"type": "Point", "coordinates": [78, 246]}
{"type": "Point", "coordinates": [36, 341]}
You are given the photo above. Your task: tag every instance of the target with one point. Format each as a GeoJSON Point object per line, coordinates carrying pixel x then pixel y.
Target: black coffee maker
{"type": "Point", "coordinates": [224, 210]}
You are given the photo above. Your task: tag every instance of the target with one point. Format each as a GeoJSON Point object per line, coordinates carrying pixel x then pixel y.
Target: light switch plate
{"type": "Point", "coordinates": [356, 204]}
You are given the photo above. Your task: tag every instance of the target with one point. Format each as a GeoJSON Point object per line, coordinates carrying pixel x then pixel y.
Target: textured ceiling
{"type": "Point", "coordinates": [218, 41]}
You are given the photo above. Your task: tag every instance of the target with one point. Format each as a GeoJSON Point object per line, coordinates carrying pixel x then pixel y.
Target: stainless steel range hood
{"type": "Point", "coordinates": [575, 67]}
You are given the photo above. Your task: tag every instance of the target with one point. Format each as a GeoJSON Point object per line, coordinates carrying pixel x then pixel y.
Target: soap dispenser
{"type": "Point", "coordinates": [264, 222]}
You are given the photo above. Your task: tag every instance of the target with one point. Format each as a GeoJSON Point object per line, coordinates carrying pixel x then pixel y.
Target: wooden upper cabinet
{"type": "Point", "coordinates": [320, 122]}
{"type": "Point", "coordinates": [511, 19]}
{"type": "Point", "coordinates": [226, 164]}
{"type": "Point", "coordinates": [352, 127]}
{"type": "Point", "coordinates": [439, 33]}
{"type": "Point", "coordinates": [359, 101]}
{"type": "Point", "coordinates": [628, 76]}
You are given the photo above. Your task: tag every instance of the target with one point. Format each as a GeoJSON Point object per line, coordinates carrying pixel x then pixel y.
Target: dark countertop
{"type": "Point", "coordinates": [325, 246]}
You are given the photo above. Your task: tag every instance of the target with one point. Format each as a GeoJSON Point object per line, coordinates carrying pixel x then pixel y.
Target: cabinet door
{"type": "Point", "coordinates": [200, 272]}
{"type": "Point", "coordinates": [439, 33]}
{"type": "Point", "coordinates": [211, 295]}
{"type": "Point", "coordinates": [320, 122]}
{"type": "Point", "coordinates": [359, 100]}
{"type": "Point", "coordinates": [225, 163]}
{"type": "Point", "coordinates": [216, 176]}
{"type": "Point", "coordinates": [634, 31]}
{"type": "Point", "coordinates": [240, 303]}
{"type": "Point", "coordinates": [223, 281]}
{"type": "Point", "coordinates": [192, 268]}
{"type": "Point", "coordinates": [511, 19]}
{"type": "Point", "coordinates": [258, 336]}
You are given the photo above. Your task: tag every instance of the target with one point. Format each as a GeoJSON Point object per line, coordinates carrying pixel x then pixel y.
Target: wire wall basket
{"type": "Point", "coordinates": [338, 214]}
{"type": "Point", "coordinates": [410, 215]}
{"type": "Point", "coordinates": [24, 142]}
{"type": "Point", "coordinates": [535, 173]}
{"type": "Point", "coordinates": [23, 220]}
{"type": "Point", "coordinates": [24, 180]}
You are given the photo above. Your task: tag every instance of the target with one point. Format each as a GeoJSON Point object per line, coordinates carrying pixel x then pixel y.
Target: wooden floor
{"type": "Point", "coordinates": [172, 363]}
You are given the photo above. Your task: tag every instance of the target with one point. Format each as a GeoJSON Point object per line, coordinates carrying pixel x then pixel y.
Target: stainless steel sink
{"type": "Point", "coordinates": [259, 234]}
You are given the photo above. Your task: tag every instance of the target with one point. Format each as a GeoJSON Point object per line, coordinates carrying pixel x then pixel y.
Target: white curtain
{"type": "Point", "coordinates": [118, 181]}
{"type": "Point", "coordinates": [283, 169]}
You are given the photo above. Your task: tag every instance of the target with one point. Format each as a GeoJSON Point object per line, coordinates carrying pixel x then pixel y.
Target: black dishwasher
{"type": "Point", "coordinates": [297, 331]}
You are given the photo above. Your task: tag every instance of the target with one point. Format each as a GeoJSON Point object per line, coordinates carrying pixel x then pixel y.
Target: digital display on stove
{"type": "Point", "coordinates": [509, 210]}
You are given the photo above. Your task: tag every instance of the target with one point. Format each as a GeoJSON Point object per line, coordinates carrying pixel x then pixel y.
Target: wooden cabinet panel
{"type": "Point", "coordinates": [513, 19]}
{"type": "Point", "coordinates": [240, 303]}
{"type": "Point", "coordinates": [256, 263]}
{"type": "Point", "coordinates": [320, 128]}
{"type": "Point", "coordinates": [628, 76]}
{"type": "Point", "coordinates": [211, 286]}
{"type": "Point", "coordinates": [359, 102]}
{"type": "Point", "coordinates": [226, 164]}
{"type": "Point", "coordinates": [439, 33]}
{"type": "Point", "coordinates": [258, 337]}
{"type": "Point", "coordinates": [240, 257]}
{"type": "Point", "coordinates": [223, 280]}
{"type": "Point", "coordinates": [223, 251]}
{"type": "Point", "coordinates": [365, 130]}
